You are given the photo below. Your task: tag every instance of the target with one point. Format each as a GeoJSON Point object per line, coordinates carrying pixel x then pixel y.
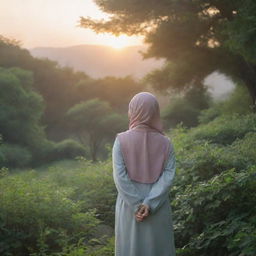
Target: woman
{"type": "Point", "coordinates": [143, 171]}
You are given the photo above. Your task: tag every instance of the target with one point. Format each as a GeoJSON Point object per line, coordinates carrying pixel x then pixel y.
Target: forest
{"type": "Point", "coordinates": [58, 125]}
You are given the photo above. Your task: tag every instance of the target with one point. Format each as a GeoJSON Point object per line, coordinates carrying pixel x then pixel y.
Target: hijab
{"type": "Point", "coordinates": [144, 146]}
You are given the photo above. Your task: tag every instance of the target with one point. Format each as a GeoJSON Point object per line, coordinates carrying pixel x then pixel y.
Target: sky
{"type": "Point", "coordinates": [54, 23]}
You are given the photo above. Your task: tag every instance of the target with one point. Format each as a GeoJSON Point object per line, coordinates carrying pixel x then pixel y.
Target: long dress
{"type": "Point", "coordinates": [154, 236]}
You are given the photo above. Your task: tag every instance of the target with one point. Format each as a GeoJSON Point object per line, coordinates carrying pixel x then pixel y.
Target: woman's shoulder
{"type": "Point", "coordinates": [122, 133]}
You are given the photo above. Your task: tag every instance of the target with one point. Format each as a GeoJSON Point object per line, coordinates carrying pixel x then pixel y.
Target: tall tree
{"type": "Point", "coordinates": [93, 122]}
{"type": "Point", "coordinates": [197, 37]}
{"type": "Point", "coordinates": [21, 108]}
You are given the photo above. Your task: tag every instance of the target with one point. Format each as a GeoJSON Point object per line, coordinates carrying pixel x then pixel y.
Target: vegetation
{"type": "Point", "coordinates": [196, 37]}
{"type": "Point", "coordinates": [34, 123]}
{"type": "Point", "coordinates": [93, 122]}
{"type": "Point", "coordinates": [67, 208]}
{"type": "Point", "coordinates": [44, 213]}
{"type": "Point", "coordinates": [186, 108]}
{"type": "Point", "coordinates": [57, 200]}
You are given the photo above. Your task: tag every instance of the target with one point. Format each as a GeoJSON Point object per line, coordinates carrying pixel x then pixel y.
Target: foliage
{"type": "Point", "coordinates": [20, 108]}
{"type": "Point", "coordinates": [214, 191]}
{"type": "Point", "coordinates": [14, 156]}
{"type": "Point", "coordinates": [217, 217]}
{"type": "Point", "coordinates": [102, 249]}
{"type": "Point", "coordinates": [38, 94]}
{"type": "Point", "coordinates": [241, 31]}
{"type": "Point", "coordinates": [238, 102]}
{"type": "Point", "coordinates": [196, 37]}
{"type": "Point", "coordinates": [226, 129]}
{"type": "Point", "coordinates": [38, 216]}
{"type": "Point", "coordinates": [56, 211]}
{"type": "Point", "coordinates": [115, 90]}
{"type": "Point", "coordinates": [68, 149]}
{"type": "Point", "coordinates": [185, 109]}
{"type": "Point", "coordinates": [180, 111]}
{"type": "Point", "coordinates": [42, 213]}
{"type": "Point", "coordinates": [85, 182]}
{"type": "Point", "coordinates": [93, 122]}
{"type": "Point", "coordinates": [62, 87]}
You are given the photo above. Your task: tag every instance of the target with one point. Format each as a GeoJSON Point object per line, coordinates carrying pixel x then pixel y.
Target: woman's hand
{"type": "Point", "coordinates": [142, 213]}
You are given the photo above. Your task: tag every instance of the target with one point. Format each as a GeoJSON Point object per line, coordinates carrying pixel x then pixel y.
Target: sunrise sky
{"type": "Point", "coordinates": [53, 23]}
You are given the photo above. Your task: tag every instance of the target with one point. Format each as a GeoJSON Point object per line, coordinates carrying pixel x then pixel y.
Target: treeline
{"type": "Point", "coordinates": [48, 112]}
{"type": "Point", "coordinates": [41, 109]}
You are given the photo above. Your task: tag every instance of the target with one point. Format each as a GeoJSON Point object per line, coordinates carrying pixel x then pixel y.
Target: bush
{"type": "Point", "coordinates": [68, 149]}
{"type": "Point", "coordinates": [226, 129]}
{"type": "Point", "coordinates": [179, 111]}
{"type": "Point", "coordinates": [37, 217]}
{"type": "Point", "coordinates": [238, 102]}
{"type": "Point", "coordinates": [102, 249]}
{"type": "Point", "coordinates": [14, 156]}
{"type": "Point", "coordinates": [42, 152]}
{"type": "Point", "coordinates": [92, 184]}
{"type": "Point", "coordinates": [46, 151]}
{"type": "Point", "coordinates": [217, 217]}
{"type": "Point", "coordinates": [186, 108]}
{"type": "Point", "coordinates": [201, 160]}
{"type": "Point", "coordinates": [215, 187]}
{"type": "Point", "coordinates": [207, 115]}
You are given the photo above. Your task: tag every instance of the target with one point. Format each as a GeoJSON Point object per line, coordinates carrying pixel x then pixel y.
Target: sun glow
{"type": "Point", "coordinates": [47, 23]}
{"type": "Point", "coordinates": [118, 42]}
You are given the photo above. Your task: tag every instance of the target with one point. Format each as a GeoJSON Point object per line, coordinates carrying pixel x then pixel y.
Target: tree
{"type": "Point", "coordinates": [21, 108]}
{"type": "Point", "coordinates": [54, 83]}
{"type": "Point", "coordinates": [115, 90]}
{"type": "Point", "coordinates": [93, 122]}
{"type": "Point", "coordinates": [197, 37]}
{"type": "Point", "coordinates": [186, 108]}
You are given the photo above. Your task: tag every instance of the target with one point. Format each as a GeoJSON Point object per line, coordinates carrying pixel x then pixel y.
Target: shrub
{"type": "Point", "coordinates": [207, 115]}
{"type": "Point", "coordinates": [202, 160]}
{"type": "Point", "coordinates": [214, 189]}
{"type": "Point", "coordinates": [14, 156]}
{"type": "Point", "coordinates": [46, 151]}
{"type": "Point", "coordinates": [226, 129]}
{"type": "Point", "coordinates": [180, 111]}
{"type": "Point", "coordinates": [217, 217]}
{"type": "Point", "coordinates": [68, 149]}
{"type": "Point", "coordinates": [92, 185]}
{"type": "Point", "coordinates": [38, 216]}
{"type": "Point", "coordinates": [42, 152]}
{"type": "Point", "coordinates": [238, 102]}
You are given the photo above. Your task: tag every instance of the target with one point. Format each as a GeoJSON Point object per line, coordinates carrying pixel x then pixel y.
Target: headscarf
{"type": "Point", "coordinates": [144, 146]}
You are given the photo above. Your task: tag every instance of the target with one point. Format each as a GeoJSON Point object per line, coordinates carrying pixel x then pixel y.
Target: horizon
{"type": "Point", "coordinates": [77, 45]}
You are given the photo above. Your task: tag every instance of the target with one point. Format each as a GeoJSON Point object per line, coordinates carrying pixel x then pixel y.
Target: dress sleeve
{"type": "Point", "coordinates": [124, 185]}
{"type": "Point", "coordinates": [160, 189]}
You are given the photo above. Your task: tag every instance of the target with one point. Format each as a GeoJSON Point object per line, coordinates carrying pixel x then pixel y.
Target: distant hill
{"type": "Point", "coordinates": [100, 61]}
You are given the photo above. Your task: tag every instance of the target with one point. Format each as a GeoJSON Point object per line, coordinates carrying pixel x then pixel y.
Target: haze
{"type": "Point", "coordinates": [54, 23]}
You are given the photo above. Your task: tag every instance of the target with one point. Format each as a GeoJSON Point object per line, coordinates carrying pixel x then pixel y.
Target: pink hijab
{"type": "Point", "coordinates": [144, 146]}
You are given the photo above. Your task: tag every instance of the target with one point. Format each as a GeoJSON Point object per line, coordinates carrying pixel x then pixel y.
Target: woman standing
{"type": "Point", "coordinates": [143, 171]}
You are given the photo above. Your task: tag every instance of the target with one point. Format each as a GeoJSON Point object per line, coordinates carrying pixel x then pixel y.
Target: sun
{"type": "Point", "coordinates": [118, 42]}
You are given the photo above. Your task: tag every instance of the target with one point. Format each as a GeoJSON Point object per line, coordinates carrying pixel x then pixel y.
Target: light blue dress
{"type": "Point", "coordinates": [153, 236]}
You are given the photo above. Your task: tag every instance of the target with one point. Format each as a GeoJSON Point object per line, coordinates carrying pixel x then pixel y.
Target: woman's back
{"type": "Point", "coordinates": [154, 236]}
{"type": "Point", "coordinates": [143, 171]}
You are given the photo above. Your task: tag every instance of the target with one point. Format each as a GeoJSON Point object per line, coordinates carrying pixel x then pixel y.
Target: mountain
{"type": "Point", "coordinates": [99, 61]}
